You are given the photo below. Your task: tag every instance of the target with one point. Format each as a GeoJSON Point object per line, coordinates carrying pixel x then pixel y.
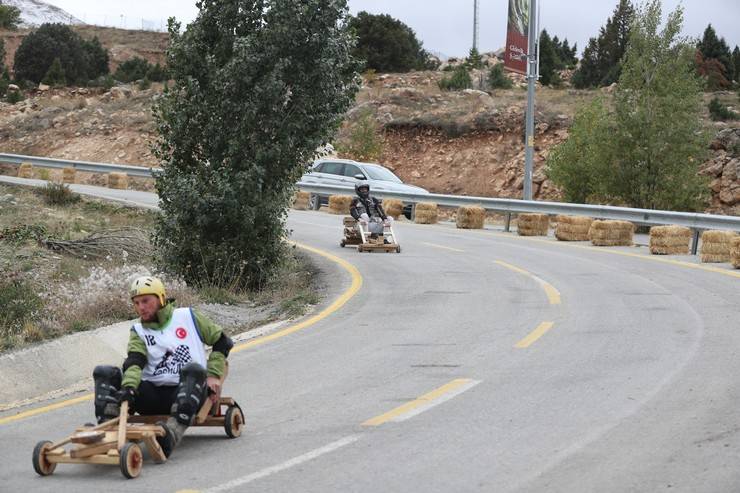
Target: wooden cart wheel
{"type": "Point", "coordinates": [233, 422]}
{"type": "Point", "coordinates": [398, 249]}
{"type": "Point", "coordinates": [342, 243]}
{"type": "Point", "coordinates": [131, 461]}
{"type": "Point", "coordinates": [40, 464]}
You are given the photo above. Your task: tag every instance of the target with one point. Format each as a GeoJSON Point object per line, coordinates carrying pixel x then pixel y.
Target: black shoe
{"type": "Point", "coordinates": [168, 441]}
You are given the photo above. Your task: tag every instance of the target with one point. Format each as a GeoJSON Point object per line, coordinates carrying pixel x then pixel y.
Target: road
{"type": "Point", "coordinates": [472, 361]}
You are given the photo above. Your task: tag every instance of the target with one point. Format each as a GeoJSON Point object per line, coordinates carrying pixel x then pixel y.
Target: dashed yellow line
{"type": "Point", "coordinates": [553, 295]}
{"type": "Point", "coordinates": [534, 335]}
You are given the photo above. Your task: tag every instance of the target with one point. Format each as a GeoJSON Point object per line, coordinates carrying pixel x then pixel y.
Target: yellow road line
{"type": "Point", "coordinates": [426, 400]}
{"type": "Point", "coordinates": [553, 295]}
{"type": "Point", "coordinates": [336, 305]}
{"type": "Point", "coordinates": [46, 409]}
{"type": "Point", "coordinates": [534, 335]}
{"type": "Point", "coordinates": [442, 247]}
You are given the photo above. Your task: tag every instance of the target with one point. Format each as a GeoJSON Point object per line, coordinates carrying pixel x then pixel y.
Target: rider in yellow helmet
{"type": "Point", "coordinates": [167, 370]}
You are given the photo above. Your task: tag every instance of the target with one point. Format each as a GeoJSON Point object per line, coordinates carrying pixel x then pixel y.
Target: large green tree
{"type": "Point", "coordinates": [387, 44]}
{"type": "Point", "coordinates": [601, 62]}
{"type": "Point", "coordinates": [258, 86]}
{"type": "Point", "coordinates": [715, 54]}
{"type": "Point", "coordinates": [549, 60]}
{"type": "Point", "coordinates": [647, 150]}
{"type": "Point", "coordinates": [10, 17]}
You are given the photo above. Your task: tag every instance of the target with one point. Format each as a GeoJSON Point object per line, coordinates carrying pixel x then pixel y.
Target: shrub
{"type": "Point", "coordinates": [81, 60]}
{"type": "Point", "coordinates": [19, 305]}
{"type": "Point", "coordinates": [144, 84]}
{"type": "Point", "coordinates": [104, 81]}
{"type": "Point", "coordinates": [55, 75]}
{"type": "Point", "coordinates": [58, 194]}
{"type": "Point", "coordinates": [131, 70]}
{"type": "Point", "coordinates": [497, 78]}
{"type": "Point", "coordinates": [157, 73]}
{"type": "Point", "coordinates": [459, 80]}
{"type": "Point", "coordinates": [720, 112]}
{"type": "Point", "coordinates": [364, 141]}
{"type": "Point", "coordinates": [13, 97]}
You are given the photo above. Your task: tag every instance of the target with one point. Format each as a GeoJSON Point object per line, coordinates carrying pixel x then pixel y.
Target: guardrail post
{"type": "Point", "coordinates": [316, 205]}
{"type": "Point", "coordinates": [413, 212]}
{"type": "Point", "coordinates": [694, 241]}
{"type": "Point", "coordinates": [507, 222]}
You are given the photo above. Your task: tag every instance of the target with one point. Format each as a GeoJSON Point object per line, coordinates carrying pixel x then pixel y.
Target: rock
{"type": "Point", "coordinates": [415, 174]}
{"type": "Point", "coordinates": [43, 87]}
{"type": "Point", "coordinates": [56, 98]}
{"type": "Point", "coordinates": [13, 87]}
{"type": "Point", "coordinates": [714, 169]}
{"type": "Point", "coordinates": [476, 92]}
{"type": "Point", "coordinates": [120, 92]}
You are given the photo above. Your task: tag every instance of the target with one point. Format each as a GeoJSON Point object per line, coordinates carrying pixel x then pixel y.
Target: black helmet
{"type": "Point", "coordinates": [362, 190]}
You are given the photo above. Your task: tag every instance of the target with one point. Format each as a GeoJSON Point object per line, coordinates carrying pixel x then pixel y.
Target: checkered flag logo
{"type": "Point", "coordinates": [173, 362]}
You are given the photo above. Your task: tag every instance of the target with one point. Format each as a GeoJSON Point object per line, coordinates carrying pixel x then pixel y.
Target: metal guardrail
{"type": "Point", "coordinates": [45, 162]}
{"type": "Point", "coordinates": [691, 220]}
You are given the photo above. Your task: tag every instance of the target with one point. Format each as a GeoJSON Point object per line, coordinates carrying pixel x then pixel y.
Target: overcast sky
{"type": "Point", "coordinates": [444, 26]}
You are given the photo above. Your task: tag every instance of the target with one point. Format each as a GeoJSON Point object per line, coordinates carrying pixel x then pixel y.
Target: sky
{"type": "Point", "coordinates": [443, 26]}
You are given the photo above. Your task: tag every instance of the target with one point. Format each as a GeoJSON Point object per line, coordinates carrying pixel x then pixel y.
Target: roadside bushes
{"type": "Point", "coordinates": [19, 308]}
{"type": "Point", "coordinates": [139, 69]}
{"type": "Point", "coordinates": [459, 79]}
{"type": "Point", "coordinates": [80, 60]}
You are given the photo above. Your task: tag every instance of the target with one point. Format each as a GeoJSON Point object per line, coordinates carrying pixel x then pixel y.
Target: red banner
{"type": "Point", "coordinates": [517, 45]}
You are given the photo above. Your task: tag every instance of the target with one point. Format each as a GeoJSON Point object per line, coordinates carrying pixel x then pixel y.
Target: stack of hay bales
{"type": "Point", "coordinates": [25, 170]}
{"type": "Point", "coordinates": [532, 224]}
{"type": "Point", "coordinates": [118, 181]}
{"type": "Point", "coordinates": [339, 204]}
{"type": "Point", "coordinates": [735, 252]}
{"type": "Point", "coordinates": [470, 217]}
{"type": "Point", "coordinates": [426, 213]}
{"type": "Point", "coordinates": [611, 233]}
{"type": "Point", "coordinates": [573, 228]}
{"type": "Point", "coordinates": [300, 200]}
{"type": "Point", "coordinates": [68, 175]}
{"type": "Point", "coordinates": [670, 240]}
{"type": "Point", "coordinates": [716, 246]}
{"type": "Point", "coordinates": [393, 207]}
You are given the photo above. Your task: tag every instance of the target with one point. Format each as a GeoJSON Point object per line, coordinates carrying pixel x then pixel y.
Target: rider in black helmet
{"type": "Point", "coordinates": [368, 210]}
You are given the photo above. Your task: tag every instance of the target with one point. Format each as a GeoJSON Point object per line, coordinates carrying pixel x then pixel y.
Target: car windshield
{"type": "Point", "coordinates": [381, 174]}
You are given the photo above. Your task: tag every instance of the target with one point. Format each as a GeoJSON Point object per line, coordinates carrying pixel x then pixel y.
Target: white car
{"type": "Point", "coordinates": [347, 173]}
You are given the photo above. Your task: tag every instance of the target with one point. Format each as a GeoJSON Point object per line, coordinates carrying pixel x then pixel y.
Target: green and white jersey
{"type": "Point", "coordinates": [171, 348]}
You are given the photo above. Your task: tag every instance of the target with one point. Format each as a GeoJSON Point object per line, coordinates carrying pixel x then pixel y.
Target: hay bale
{"type": "Point", "coordinates": [393, 207]}
{"type": "Point", "coordinates": [68, 175]}
{"type": "Point", "coordinates": [611, 233]}
{"type": "Point", "coordinates": [670, 240]}
{"type": "Point", "coordinates": [300, 200]}
{"type": "Point", "coordinates": [426, 213]}
{"type": "Point", "coordinates": [119, 181]}
{"type": "Point", "coordinates": [25, 170]}
{"type": "Point", "coordinates": [716, 246]}
{"type": "Point", "coordinates": [532, 224]}
{"type": "Point", "coordinates": [470, 217]}
{"type": "Point", "coordinates": [339, 204]}
{"type": "Point", "coordinates": [735, 252]}
{"type": "Point", "coordinates": [572, 228]}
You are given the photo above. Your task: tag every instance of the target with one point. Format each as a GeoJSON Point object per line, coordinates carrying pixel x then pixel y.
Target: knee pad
{"type": "Point", "coordinates": [107, 383]}
{"type": "Point", "coordinates": [190, 393]}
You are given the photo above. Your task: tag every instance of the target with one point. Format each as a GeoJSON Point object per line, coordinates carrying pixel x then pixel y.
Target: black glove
{"type": "Point", "coordinates": [127, 394]}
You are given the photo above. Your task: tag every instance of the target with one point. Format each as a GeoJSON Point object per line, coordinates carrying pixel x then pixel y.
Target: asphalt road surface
{"type": "Point", "coordinates": [472, 361]}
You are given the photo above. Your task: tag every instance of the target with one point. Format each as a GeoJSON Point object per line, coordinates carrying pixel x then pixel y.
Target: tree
{"type": "Point", "coordinates": [736, 64]}
{"type": "Point", "coordinates": [257, 87]}
{"type": "Point", "coordinates": [10, 17]}
{"type": "Point", "coordinates": [646, 152]}
{"type": "Point", "coordinates": [81, 60]}
{"type": "Point", "coordinates": [549, 60]}
{"type": "Point", "coordinates": [579, 164]}
{"type": "Point", "coordinates": [387, 44]}
{"type": "Point", "coordinates": [712, 47]}
{"type": "Point", "coordinates": [2, 54]}
{"type": "Point", "coordinates": [55, 75]}
{"type": "Point", "coordinates": [132, 69]}
{"type": "Point", "coordinates": [497, 78]}
{"type": "Point", "coordinates": [658, 139]}
{"type": "Point", "coordinates": [474, 60]}
{"type": "Point", "coordinates": [712, 71]}
{"type": "Point", "coordinates": [601, 63]}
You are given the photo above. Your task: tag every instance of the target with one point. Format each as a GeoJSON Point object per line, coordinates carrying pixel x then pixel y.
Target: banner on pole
{"type": "Point", "coordinates": [517, 42]}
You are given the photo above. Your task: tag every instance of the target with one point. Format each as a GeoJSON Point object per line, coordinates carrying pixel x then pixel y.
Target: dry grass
{"type": "Point", "coordinates": [393, 207]}
{"type": "Point", "coordinates": [716, 246]}
{"type": "Point", "coordinates": [68, 175]}
{"type": "Point", "coordinates": [572, 228]}
{"type": "Point", "coordinates": [470, 217]}
{"type": "Point", "coordinates": [118, 181]}
{"type": "Point", "coordinates": [339, 204]}
{"type": "Point", "coordinates": [532, 224]}
{"type": "Point", "coordinates": [611, 233]}
{"type": "Point", "coordinates": [425, 213]}
{"type": "Point", "coordinates": [670, 240]}
{"type": "Point", "coordinates": [25, 170]}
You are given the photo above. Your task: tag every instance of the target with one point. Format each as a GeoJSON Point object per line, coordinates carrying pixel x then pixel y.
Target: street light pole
{"type": "Point", "coordinates": [531, 79]}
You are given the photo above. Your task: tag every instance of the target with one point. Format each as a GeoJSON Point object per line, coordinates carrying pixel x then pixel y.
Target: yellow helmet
{"type": "Point", "coordinates": [148, 285]}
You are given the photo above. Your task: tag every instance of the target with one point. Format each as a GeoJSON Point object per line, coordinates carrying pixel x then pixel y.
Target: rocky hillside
{"type": "Point", "coordinates": [36, 12]}
{"type": "Point", "coordinates": [467, 142]}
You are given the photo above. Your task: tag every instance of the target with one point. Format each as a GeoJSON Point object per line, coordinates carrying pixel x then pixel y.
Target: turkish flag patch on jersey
{"type": "Point", "coordinates": [181, 333]}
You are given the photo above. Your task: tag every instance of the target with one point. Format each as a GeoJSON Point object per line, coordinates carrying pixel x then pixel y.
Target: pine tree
{"type": "Point", "coordinates": [602, 66]}
{"type": "Point", "coordinates": [736, 64]}
{"type": "Point", "coordinates": [549, 61]}
{"type": "Point", "coordinates": [55, 75]}
{"type": "Point", "coordinates": [711, 46]}
{"type": "Point", "coordinates": [474, 60]}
